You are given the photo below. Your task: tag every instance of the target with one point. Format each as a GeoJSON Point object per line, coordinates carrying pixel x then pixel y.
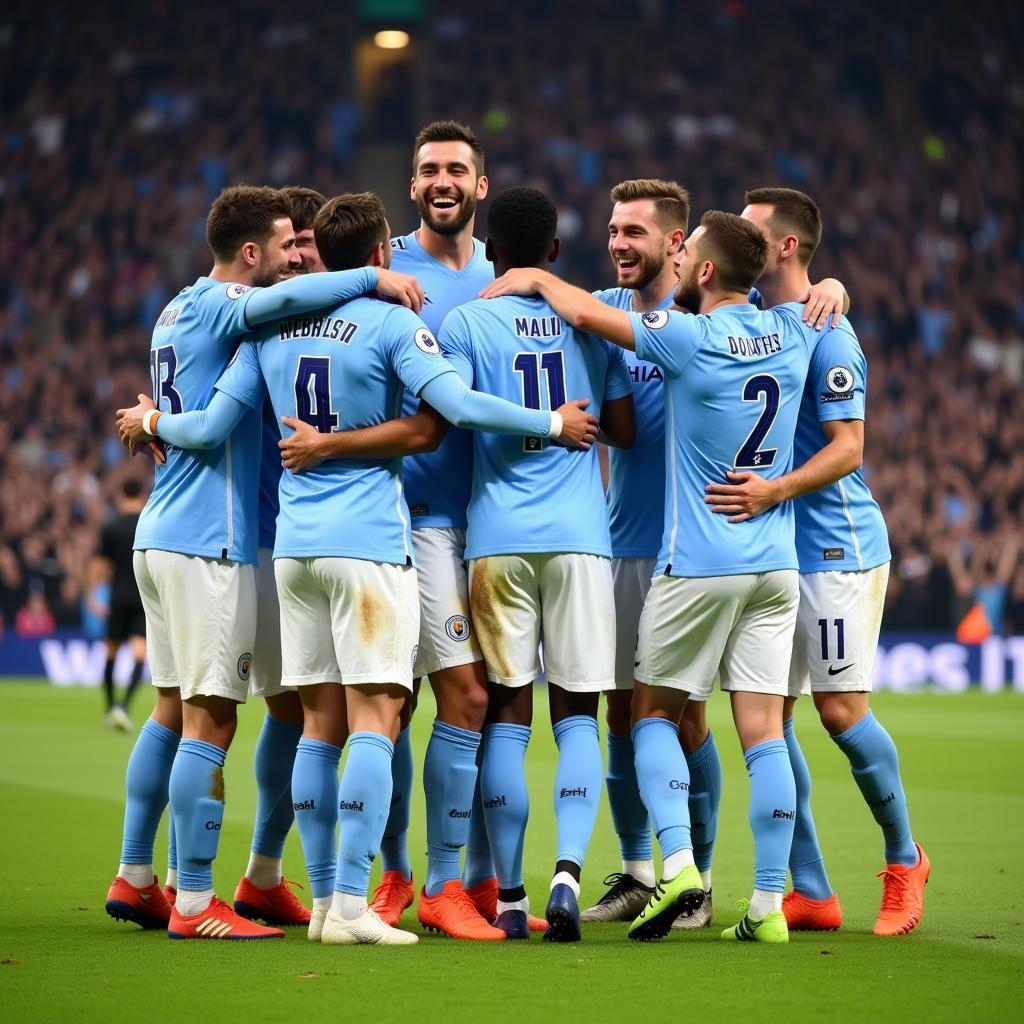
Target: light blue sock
{"type": "Point", "coordinates": [197, 792]}
{"type": "Point", "coordinates": [145, 783]}
{"type": "Point", "coordinates": [629, 816]}
{"type": "Point", "coordinates": [806, 864]}
{"type": "Point", "coordinates": [876, 767]}
{"type": "Point", "coordinates": [705, 796]}
{"type": "Point", "coordinates": [449, 782]}
{"type": "Point", "coordinates": [577, 785]}
{"type": "Point", "coordinates": [506, 799]}
{"type": "Point", "coordinates": [314, 796]}
{"type": "Point", "coordinates": [394, 847]}
{"type": "Point", "coordinates": [272, 763]}
{"type": "Point", "coordinates": [664, 782]}
{"type": "Point", "coordinates": [772, 812]}
{"type": "Point", "coordinates": [479, 864]}
{"type": "Point", "coordinates": [363, 801]}
{"type": "Point", "coordinates": [172, 845]}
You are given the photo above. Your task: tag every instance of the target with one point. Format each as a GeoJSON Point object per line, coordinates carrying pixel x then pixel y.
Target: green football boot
{"type": "Point", "coordinates": [771, 928]}
{"type": "Point", "coordinates": [672, 897]}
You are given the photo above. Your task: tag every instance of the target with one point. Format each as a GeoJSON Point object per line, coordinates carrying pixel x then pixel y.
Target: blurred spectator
{"type": "Point", "coordinates": [35, 618]}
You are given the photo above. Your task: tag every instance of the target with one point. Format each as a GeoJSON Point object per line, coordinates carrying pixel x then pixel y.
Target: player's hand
{"type": "Point", "coordinates": [403, 288]}
{"type": "Point", "coordinates": [579, 428]}
{"type": "Point", "coordinates": [745, 496]}
{"type": "Point", "coordinates": [302, 449]}
{"type": "Point", "coordinates": [823, 300]}
{"type": "Point", "coordinates": [155, 447]}
{"type": "Point", "coordinates": [129, 423]}
{"type": "Point", "coordinates": [521, 281]}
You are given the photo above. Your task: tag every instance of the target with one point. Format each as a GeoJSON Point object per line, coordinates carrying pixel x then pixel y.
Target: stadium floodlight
{"type": "Point", "coordinates": [392, 39]}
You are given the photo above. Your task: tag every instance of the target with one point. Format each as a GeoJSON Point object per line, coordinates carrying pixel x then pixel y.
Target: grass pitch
{"type": "Point", "coordinates": [62, 958]}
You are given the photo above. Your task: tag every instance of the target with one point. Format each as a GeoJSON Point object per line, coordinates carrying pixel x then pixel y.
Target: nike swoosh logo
{"type": "Point", "coordinates": [833, 671]}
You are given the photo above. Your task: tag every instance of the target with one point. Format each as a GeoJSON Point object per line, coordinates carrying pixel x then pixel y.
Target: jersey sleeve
{"type": "Point", "coordinates": [457, 345]}
{"type": "Point", "coordinates": [666, 338]}
{"type": "Point", "coordinates": [837, 376]}
{"type": "Point", "coordinates": [618, 382]}
{"type": "Point", "coordinates": [243, 378]}
{"type": "Point", "coordinates": [222, 310]}
{"type": "Point", "coordinates": [412, 351]}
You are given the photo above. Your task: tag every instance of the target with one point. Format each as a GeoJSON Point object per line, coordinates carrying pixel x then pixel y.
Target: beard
{"type": "Point", "coordinates": [687, 294]}
{"type": "Point", "coordinates": [267, 274]}
{"type": "Point", "coordinates": [647, 269]}
{"type": "Point", "coordinates": [466, 210]}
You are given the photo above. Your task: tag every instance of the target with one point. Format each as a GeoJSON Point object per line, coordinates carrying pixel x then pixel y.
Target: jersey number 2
{"type": "Point", "coordinates": [751, 455]}
{"type": "Point", "coordinates": [313, 393]}
{"type": "Point", "coordinates": [530, 365]}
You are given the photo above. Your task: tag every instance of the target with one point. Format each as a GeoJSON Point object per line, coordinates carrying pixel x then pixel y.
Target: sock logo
{"type": "Point", "coordinates": [213, 826]}
{"type": "Point", "coordinates": [454, 812]}
{"type": "Point", "coordinates": [577, 791]}
{"type": "Point", "coordinates": [351, 805]}
{"type": "Point", "coordinates": [678, 784]}
{"type": "Point", "coordinates": [498, 801]}
{"type": "Point", "coordinates": [881, 803]}
{"type": "Point", "coordinates": [787, 815]}
{"type": "Point", "coordinates": [304, 805]}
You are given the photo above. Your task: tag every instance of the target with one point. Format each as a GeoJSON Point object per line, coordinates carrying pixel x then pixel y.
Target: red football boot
{"type": "Point", "coordinates": [278, 906]}
{"type": "Point", "coordinates": [217, 921]}
{"type": "Point", "coordinates": [146, 907]}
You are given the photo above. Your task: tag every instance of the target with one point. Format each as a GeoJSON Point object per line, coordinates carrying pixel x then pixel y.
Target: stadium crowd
{"type": "Point", "coordinates": [908, 139]}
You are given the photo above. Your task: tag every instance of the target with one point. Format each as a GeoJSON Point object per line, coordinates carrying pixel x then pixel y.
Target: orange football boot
{"type": "Point", "coordinates": [454, 914]}
{"type": "Point", "coordinates": [903, 896]}
{"type": "Point", "coordinates": [392, 896]}
{"type": "Point", "coordinates": [806, 915]}
{"type": "Point", "coordinates": [485, 896]}
{"type": "Point", "coordinates": [146, 907]}
{"type": "Point", "coordinates": [217, 921]}
{"type": "Point", "coordinates": [277, 906]}
{"type": "Point", "coordinates": [170, 894]}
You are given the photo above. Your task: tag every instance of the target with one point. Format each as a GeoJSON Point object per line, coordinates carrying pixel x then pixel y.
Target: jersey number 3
{"type": "Point", "coordinates": [752, 455]}
{"type": "Point", "coordinates": [163, 365]}
{"type": "Point", "coordinates": [313, 393]}
{"type": "Point", "coordinates": [530, 365]}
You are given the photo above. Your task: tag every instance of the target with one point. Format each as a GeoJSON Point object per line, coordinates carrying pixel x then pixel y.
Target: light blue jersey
{"type": "Point", "coordinates": [203, 502]}
{"type": "Point", "coordinates": [839, 527]}
{"type": "Point", "coordinates": [734, 381]}
{"type": "Point", "coordinates": [636, 476]}
{"type": "Point", "coordinates": [530, 495]}
{"type": "Point", "coordinates": [270, 476]}
{"type": "Point", "coordinates": [437, 484]}
{"type": "Point", "coordinates": [339, 370]}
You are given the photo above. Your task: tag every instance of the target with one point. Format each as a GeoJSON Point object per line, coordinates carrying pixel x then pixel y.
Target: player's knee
{"type": "Point", "coordinates": [285, 707]}
{"type": "Point", "coordinates": [840, 711]}
{"type": "Point", "coordinates": [693, 726]}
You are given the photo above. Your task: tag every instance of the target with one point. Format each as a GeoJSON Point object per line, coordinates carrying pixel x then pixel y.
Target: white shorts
{"type": "Point", "coordinates": [347, 620]}
{"type": "Point", "coordinates": [566, 599]}
{"type": "Point", "coordinates": [631, 580]}
{"type": "Point", "coordinates": [266, 653]}
{"type": "Point", "coordinates": [446, 633]}
{"type": "Point", "coordinates": [837, 631]}
{"type": "Point", "coordinates": [200, 622]}
{"type": "Point", "coordinates": [739, 628]}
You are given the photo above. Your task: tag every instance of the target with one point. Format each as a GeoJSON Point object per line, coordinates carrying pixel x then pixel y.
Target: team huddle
{"type": "Point", "coordinates": [378, 461]}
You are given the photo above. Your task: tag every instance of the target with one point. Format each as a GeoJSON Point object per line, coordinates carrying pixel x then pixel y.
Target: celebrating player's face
{"type": "Point", "coordinates": [760, 214]}
{"type": "Point", "coordinates": [278, 259]}
{"type": "Point", "coordinates": [309, 255]}
{"type": "Point", "coordinates": [637, 243]}
{"type": "Point", "coordinates": [446, 187]}
{"type": "Point", "coordinates": [688, 265]}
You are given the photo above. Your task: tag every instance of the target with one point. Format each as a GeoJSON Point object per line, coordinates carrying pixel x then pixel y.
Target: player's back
{"type": "Point", "coordinates": [203, 502]}
{"type": "Point", "coordinates": [636, 476]}
{"type": "Point", "coordinates": [337, 370]}
{"type": "Point", "coordinates": [735, 381]}
{"type": "Point", "coordinates": [839, 527]}
{"type": "Point", "coordinates": [530, 495]}
{"type": "Point", "coordinates": [437, 484]}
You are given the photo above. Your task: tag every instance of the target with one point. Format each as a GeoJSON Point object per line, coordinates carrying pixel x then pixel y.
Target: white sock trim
{"type": "Point", "coordinates": [523, 905]}
{"type": "Point", "coordinates": [348, 906]}
{"type": "Point", "coordinates": [139, 875]}
{"type": "Point", "coordinates": [675, 862]}
{"type": "Point", "coordinates": [641, 870]}
{"type": "Point", "coordinates": [762, 902]}
{"type": "Point", "coordinates": [263, 872]}
{"type": "Point", "coordinates": [190, 903]}
{"type": "Point", "coordinates": [564, 878]}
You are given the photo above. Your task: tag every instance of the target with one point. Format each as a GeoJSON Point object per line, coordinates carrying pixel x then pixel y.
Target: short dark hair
{"type": "Point", "coordinates": [243, 213]}
{"type": "Point", "coordinates": [305, 204]}
{"type": "Point", "coordinates": [131, 488]}
{"type": "Point", "coordinates": [448, 131]}
{"type": "Point", "coordinates": [671, 200]}
{"type": "Point", "coordinates": [793, 213]}
{"type": "Point", "coordinates": [521, 224]}
{"type": "Point", "coordinates": [347, 228]}
{"type": "Point", "coordinates": [736, 247]}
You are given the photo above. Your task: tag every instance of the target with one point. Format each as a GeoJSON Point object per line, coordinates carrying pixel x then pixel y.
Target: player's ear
{"type": "Point", "coordinates": [482, 185]}
{"type": "Point", "coordinates": [412, 187]}
{"type": "Point", "coordinates": [250, 254]}
{"type": "Point", "coordinates": [377, 256]}
{"type": "Point", "coordinates": [707, 273]}
{"type": "Point", "coordinates": [556, 245]}
{"type": "Point", "coordinates": [790, 247]}
{"type": "Point", "coordinates": [489, 249]}
{"type": "Point", "coordinates": [675, 241]}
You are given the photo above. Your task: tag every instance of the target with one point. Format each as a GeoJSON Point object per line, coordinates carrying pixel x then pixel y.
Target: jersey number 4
{"type": "Point", "coordinates": [752, 455]}
{"type": "Point", "coordinates": [313, 393]}
{"type": "Point", "coordinates": [530, 365]}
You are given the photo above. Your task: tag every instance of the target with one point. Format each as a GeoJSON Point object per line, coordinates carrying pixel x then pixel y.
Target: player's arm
{"type": "Point", "coordinates": [421, 432]}
{"type": "Point", "coordinates": [748, 494]}
{"type": "Point", "coordinates": [574, 305]}
{"type": "Point", "coordinates": [827, 298]}
{"type": "Point", "coordinates": [618, 422]}
{"type": "Point", "coordinates": [200, 428]}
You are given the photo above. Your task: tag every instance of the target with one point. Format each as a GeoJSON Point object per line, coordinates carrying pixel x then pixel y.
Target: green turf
{"type": "Point", "coordinates": [62, 958]}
